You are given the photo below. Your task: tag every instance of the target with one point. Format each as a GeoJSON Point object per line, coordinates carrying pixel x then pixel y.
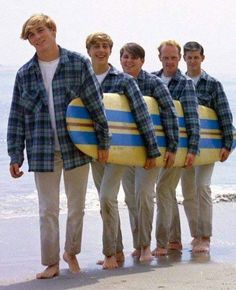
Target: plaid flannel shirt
{"type": "Point", "coordinates": [210, 93]}
{"type": "Point", "coordinates": [153, 86]}
{"type": "Point", "coordinates": [121, 83]}
{"type": "Point", "coordinates": [29, 121]}
{"type": "Point", "coordinates": [182, 89]}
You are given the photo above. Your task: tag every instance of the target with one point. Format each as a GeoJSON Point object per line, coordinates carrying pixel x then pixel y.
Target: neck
{"type": "Point", "coordinates": [100, 69]}
{"type": "Point", "coordinates": [135, 74]}
{"type": "Point", "coordinates": [169, 75]}
{"type": "Point", "coordinates": [51, 55]}
{"type": "Point", "coordinates": [194, 73]}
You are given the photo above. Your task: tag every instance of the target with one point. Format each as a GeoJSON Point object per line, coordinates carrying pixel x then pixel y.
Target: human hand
{"type": "Point", "coordinates": [169, 159]}
{"type": "Point", "coordinates": [224, 154]}
{"type": "Point", "coordinates": [103, 155]}
{"type": "Point", "coordinates": [150, 163]}
{"type": "Point", "coordinates": [15, 170]}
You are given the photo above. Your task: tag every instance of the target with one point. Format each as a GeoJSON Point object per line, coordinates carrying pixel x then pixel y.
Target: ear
{"type": "Point", "coordinates": [184, 57]}
{"type": "Point", "coordinates": [159, 57]}
{"type": "Point", "coordinates": [203, 57]}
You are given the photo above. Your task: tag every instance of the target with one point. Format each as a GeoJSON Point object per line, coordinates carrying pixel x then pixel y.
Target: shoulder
{"type": "Point", "coordinates": [72, 57]}
{"type": "Point", "coordinates": [209, 78]}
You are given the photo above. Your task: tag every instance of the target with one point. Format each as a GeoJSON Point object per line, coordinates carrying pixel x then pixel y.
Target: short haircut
{"type": "Point", "coordinates": [134, 49]}
{"type": "Point", "coordinates": [170, 43]}
{"type": "Point", "coordinates": [35, 21]}
{"type": "Point", "coordinates": [98, 36]}
{"type": "Point", "coordinates": [193, 46]}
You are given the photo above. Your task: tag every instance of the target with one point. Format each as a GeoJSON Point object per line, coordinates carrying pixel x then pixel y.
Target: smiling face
{"type": "Point", "coordinates": [169, 57]}
{"type": "Point", "coordinates": [193, 61]}
{"type": "Point", "coordinates": [42, 38]}
{"type": "Point", "coordinates": [99, 53]}
{"type": "Point", "coordinates": [131, 64]}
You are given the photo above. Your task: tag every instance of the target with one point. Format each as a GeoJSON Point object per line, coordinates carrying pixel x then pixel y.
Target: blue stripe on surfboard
{"type": "Point", "coordinates": [127, 117]}
{"type": "Point", "coordinates": [136, 140]}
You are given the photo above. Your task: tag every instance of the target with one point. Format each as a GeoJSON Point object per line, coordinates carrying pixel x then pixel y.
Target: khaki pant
{"type": "Point", "coordinates": [166, 199]}
{"type": "Point", "coordinates": [109, 190]}
{"type": "Point", "coordinates": [196, 189]}
{"type": "Point", "coordinates": [138, 185]}
{"type": "Point", "coordinates": [98, 172]}
{"type": "Point", "coordinates": [48, 187]}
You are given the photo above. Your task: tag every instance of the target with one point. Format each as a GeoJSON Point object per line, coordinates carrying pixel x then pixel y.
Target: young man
{"type": "Point", "coordinates": [99, 47]}
{"type": "Point", "coordinates": [138, 183]}
{"type": "Point", "coordinates": [181, 88]}
{"type": "Point", "coordinates": [196, 180]}
{"type": "Point", "coordinates": [43, 88]}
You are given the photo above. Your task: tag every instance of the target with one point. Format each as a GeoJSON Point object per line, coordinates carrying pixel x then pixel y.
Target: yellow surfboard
{"type": "Point", "coordinates": [127, 146]}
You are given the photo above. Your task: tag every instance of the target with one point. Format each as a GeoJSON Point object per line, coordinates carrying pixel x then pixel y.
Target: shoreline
{"type": "Point", "coordinates": [20, 257]}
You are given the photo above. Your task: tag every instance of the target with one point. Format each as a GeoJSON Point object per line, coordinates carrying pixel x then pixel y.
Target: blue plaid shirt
{"type": "Point", "coordinates": [182, 89]}
{"type": "Point", "coordinates": [153, 86]}
{"type": "Point", "coordinates": [210, 93]}
{"type": "Point", "coordinates": [29, 121]}
{"type": "Point", "coordinates": [121, 83]}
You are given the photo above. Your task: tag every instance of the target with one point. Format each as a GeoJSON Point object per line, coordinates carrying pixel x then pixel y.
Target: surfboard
{"type": "Point", "coordinates": [127, 146]}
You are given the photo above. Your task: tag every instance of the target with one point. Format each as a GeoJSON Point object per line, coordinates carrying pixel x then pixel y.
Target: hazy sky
{"type": "Point", "coordinates": [147, 22]}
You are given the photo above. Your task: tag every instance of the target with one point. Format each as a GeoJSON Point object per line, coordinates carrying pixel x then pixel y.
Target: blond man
{"type": "Point", "coordinates": [43, 88]}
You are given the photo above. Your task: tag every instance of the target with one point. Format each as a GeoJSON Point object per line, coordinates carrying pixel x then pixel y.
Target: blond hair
{"type": "Point", "coordinates": [35, 21]}
{"type": "Point", "coordinates": [98, 36]}
{"type": "Point", "coordinates": [170, 43]}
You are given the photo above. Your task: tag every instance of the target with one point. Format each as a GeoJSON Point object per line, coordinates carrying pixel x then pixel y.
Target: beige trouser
{"type": "Point", "coordinates": [196, 186]}
{"type": "Point", "coordinates": [98, 172]}
{"type": "Point", "coordinates": [138, 185]}
{"type": "Point", "coordinates": [48, 187]}
{"type": "Point", "coordinates": [166, 197]}
{"type": "Point", "coordinates": [109, 190]}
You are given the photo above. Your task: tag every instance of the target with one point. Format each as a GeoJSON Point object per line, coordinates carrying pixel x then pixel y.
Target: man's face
{"type": "Point", "coordinates": [130, 64]}
{"type": "Point", "coordinates": [42, 38]}
{"type": "Point", "coordinates": [193, 61]}
{"type": "Point", "coordinates": [99, 53]}
{"type": "Point", "coordinates": [169, 57]}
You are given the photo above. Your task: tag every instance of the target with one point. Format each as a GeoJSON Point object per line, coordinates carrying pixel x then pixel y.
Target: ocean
{"type": "Point", "coordinates": [18, 197]}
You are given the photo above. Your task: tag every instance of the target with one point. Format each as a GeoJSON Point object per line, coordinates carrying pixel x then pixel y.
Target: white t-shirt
{"type": "Point", "coordinates": [102, 76]}
{"type": "Point", "coordinates": [195, 79]}
{"type": "Point", "coordinates": [165, 79]}
{"type": "Point", "coordinates": [48, 70]}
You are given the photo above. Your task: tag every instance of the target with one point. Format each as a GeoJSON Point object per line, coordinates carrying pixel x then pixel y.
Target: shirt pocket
{"type": "Point", "coordinates": [32, 102]}
{"type": "Point", "coordinates": [205, 99]}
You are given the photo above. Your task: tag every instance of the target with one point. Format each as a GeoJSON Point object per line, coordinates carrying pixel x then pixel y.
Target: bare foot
{"type": "Point", "coordinates": [194, 242]}
{"type": "Point", "coordinates": [159, 252]}
{"type": "Point", "coordinates": [71, 260]}
{"type": "Point", "coordinates": [49, 272]}
{"type": "Point", "coordinates": [203, 246]}
{"type": "Point", "coordinates": [146, 254]}
{"type": "Point", "coordinates": [136, 253]}
{"type": "Point", "coordinates": [175, 246]}
{"type": "Point", "coordinates": [110, 263]}
{"type": "Point", "coordinates": [120, 257]}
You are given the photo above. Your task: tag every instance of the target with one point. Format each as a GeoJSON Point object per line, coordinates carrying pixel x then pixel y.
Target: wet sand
{"type": "Point", "coordinates": [20, 258]}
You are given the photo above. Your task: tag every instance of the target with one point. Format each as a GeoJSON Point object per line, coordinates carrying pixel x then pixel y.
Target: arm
{"type": "Point", "coordinates": [91, 95]}
{"type": "Point", "coordinates": [189, 104]}
{"type": "Point", "coordinates": [169, 121]}
{"type": "Point", "coordinates": [221, 106]}
{"type": "Point", "coordinates": [16, 131]}
{"type": "Point", "coordinates": [142, 117]}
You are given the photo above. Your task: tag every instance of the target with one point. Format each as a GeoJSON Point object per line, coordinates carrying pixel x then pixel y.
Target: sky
{"type": "Point", "coordinates": [147, 22]}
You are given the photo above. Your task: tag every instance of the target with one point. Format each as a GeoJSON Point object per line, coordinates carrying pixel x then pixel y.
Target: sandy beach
{"type": "Point", "coordinates": [20, 258]}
